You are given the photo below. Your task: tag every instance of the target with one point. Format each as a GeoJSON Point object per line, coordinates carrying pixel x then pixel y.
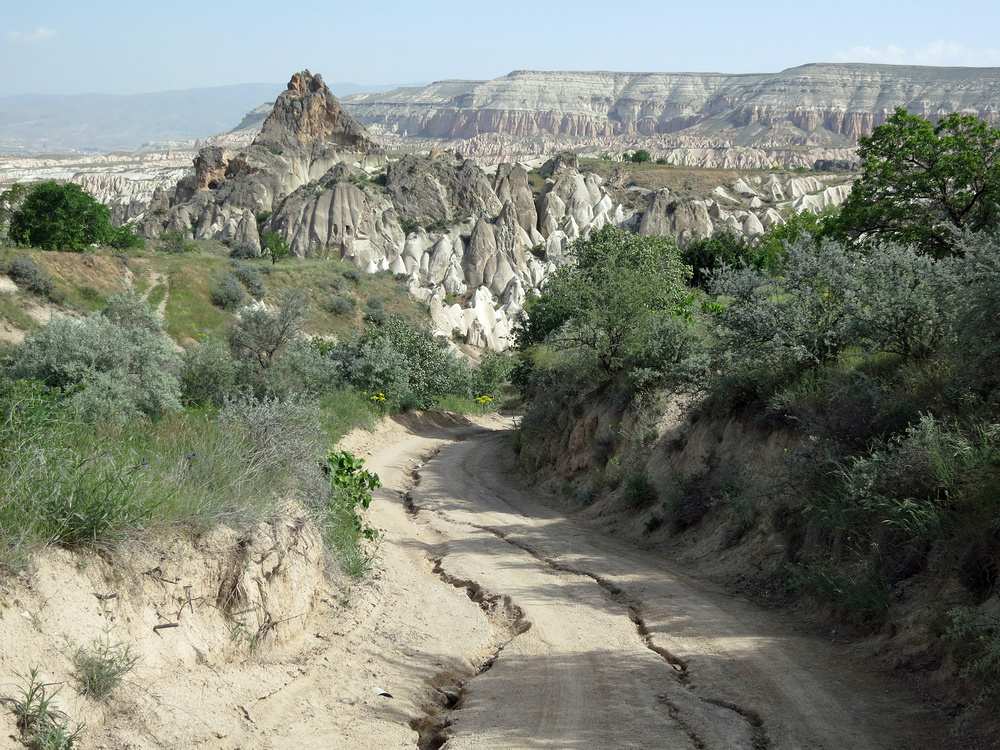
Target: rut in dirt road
{"type": "Point", "coordinates": [717, 673]}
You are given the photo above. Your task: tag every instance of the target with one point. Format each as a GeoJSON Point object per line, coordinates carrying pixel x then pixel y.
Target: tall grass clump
{"type": "Point", "coordinates": [66, 482]}
{"type": "Point", "coordinates": [40, 724]}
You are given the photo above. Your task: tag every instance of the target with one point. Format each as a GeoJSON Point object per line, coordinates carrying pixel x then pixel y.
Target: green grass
{"type": "Point", "coordinates": [79, 485]}
{"type": "Point", "coordinates": [41, 725]}
{"type": "Point", "coordinates": [343, 410]}
{"type": "Point", "coordinates": [100, 668]}
{"type": "Point", "coordinates": [12, 309]}
{"type": "Point", "coordinates": [156, 295]}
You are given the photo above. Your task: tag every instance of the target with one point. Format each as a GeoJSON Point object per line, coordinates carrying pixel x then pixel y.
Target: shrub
{"type": "Point", "coordinates": [353, 274]}
{"type": "Point", "coordinates": [976, 634]}
{"type": "Point", "coordinates": [228, 293]}
{"type": "Point", "coordinates": [335, 283]}
{"type": "Point", "coordinates": [492, 376]}
{"type": "Point", "coordinates": [339, 305]}
{"type": "Point", "coordinates": [605, 302]}
{"type": "Point", "coordinates": [302, 368]}
{"type": "Point", "coordinates": [243, 251]}
{"type": "Point", "coordinates": [175, 242]}
{"type": "Point", "coordinates": [376, 316]}
{"type": "Point", "coordinates": [283, 433]}
{"type": "Point", "coordinates": [208, 374]}
{"type": "Point", "coordinates": [113, 365]}
{"type": "Point", "coordinates": [33, 278]}
{"type": "Point", "coordinates": [251, 279]}
{"type": "Point", "coordinates": [639, 491]}
{"type": "Point", "coordinates": [404, 363]}
{"type": "Point", "coordinates": [259, 335]}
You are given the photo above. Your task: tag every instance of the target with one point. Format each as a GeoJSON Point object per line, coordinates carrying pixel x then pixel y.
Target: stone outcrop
{"type": "Point", "coordinates": [440, 188]}
{"type": "Point", "coordinates": [306, 134]}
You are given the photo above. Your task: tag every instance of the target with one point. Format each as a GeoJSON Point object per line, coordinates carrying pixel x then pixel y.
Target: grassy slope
{"type": "Point", "coordinates": [88, 279]}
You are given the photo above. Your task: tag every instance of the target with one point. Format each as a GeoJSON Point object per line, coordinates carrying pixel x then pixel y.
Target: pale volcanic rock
{"type": "Point", "coordinates": [510, 183]}
{"type": "Point", "coordinates": [688, 221]}
{"type": "Point", "coordinates": [833, 195]}
{"type": "Point", "coordinates": [742, 188]}
{"type": "Point", "coordinates": [752, 227]}
{"type": "Point", "coordinates": [769, 217]}
{"type": "Point", "coordinates": [792, 118]}
{"type": "Point", "coordinates": [353, 222]}
{"type": "Point", "coordinates": [440, 258]}
{"type": "Point", "coordinates": [799, 186]}
{"type": "Point", "coordinates": [480, 254]}
{"type": "Point", "coordinates": [773, 188]}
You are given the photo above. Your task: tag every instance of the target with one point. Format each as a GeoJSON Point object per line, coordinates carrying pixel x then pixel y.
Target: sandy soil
{"type": "Point", "coordinates": [494, 621]}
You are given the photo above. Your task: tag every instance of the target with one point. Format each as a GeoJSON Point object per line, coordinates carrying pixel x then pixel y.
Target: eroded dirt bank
{"type": "Point", "coordinates": [493, 621]}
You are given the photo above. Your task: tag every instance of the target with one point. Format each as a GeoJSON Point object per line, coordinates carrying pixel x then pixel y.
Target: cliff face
{"type": "Point", "coordinates": [819, 107]}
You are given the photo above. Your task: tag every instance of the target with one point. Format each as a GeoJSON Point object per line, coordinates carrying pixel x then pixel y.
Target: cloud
{"type": "Point", "coordinates": [41, 34]}
{"type": "Point", "coordinates": [935, 53]}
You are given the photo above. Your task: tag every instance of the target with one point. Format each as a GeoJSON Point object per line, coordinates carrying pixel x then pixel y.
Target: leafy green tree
{"type": "Point", "coordinates": [609, 298]}
{"type": "Point", "coordinates": [727, 248]}
{"type": "Point", "coordinates": [66, 217]}
{"type": "Point", "coordinates": [924, 184]}
{"type": "Point", "coordinates": [641, 156]}
{"type": "Point", "coordinates": [275, 246]}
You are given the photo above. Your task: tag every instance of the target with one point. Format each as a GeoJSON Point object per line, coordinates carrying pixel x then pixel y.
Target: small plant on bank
{"type": "Point", "coordinates": [344, 527]}
{"type": "Point", "coordinates": [977, 635]}
{"type": "Point", "coordinates": [101, 667]}
{"type": "Point", "coordinates": [41, 725]}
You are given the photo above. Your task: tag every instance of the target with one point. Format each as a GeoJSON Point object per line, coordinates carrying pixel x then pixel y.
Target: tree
{"type": "Point", "coordinates": [66, 217]}
{"type": "Point", "coordinates": [275, 246]}
{"type": "Point", "coordinates": [609, 298]}
{"type": "Point", "coordinates": [924, 184]}
{"type": "Point", "coordinates": [260, 335]}
{"type": "Point", "coordinates": [641, 156]}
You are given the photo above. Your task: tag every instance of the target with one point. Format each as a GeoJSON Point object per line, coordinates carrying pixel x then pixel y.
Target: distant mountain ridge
{"type": "Point", "coordinates": [815, 108]}
{"type": "Point", "coordinates": [99, 123]}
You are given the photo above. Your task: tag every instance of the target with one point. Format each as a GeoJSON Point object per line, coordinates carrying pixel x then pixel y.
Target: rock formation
{"type": "Point", "coordinates": [793, 118]}
{"type": "Point", "coordinates": [305, 135]}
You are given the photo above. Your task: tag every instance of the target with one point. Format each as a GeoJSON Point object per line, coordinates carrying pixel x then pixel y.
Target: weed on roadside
{"type": "Point", "coordinates": [101, 666]}
{"type": "Point", "coordinates": [41, 725]}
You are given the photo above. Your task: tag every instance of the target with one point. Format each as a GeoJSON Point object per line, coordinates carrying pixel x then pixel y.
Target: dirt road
{"type": "Point", "coordinates": [494, 621]}
{"type": "Point", "coordinates": [623, 649]}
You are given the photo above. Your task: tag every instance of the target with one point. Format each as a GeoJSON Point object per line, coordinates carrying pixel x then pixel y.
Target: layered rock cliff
{"type": "Point", "coordinates": [801, 114]}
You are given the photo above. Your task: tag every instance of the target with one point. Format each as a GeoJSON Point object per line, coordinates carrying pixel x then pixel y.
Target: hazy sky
{"type": "Point", "coordinates": [72, 47]}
